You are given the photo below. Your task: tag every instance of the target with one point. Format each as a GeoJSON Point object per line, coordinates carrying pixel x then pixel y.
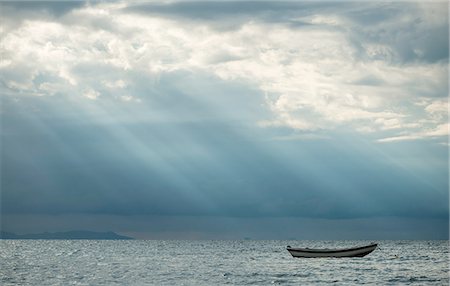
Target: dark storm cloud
{"type": "Point", "coordinates": [198, 168]}
{"type": "Point", "coordinates": [232, 14]}
{"type": "Point", "coordinates": [55, 8]}
{"type": "Point", "coordinates": [211, 10]}
{"type": "Point", "coordinates": [15, 10]}
{"type": "Point", "coordinates": [410, 40]}
{"type": "Point", "coordinates": [13, 13]}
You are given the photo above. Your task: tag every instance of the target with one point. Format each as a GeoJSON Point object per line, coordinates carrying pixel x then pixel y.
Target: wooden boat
{"type": "Point", "coordinates": [345, 252]}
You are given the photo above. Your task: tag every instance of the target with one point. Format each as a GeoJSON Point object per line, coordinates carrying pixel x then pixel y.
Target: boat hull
{"type": "Point", "coordinates": [317, 253]}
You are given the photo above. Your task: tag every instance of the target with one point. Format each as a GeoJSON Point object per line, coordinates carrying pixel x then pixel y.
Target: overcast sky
{"type": "Point", "coordinates": [226, 119]}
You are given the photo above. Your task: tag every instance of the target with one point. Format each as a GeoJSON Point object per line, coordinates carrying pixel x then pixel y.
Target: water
{"type": "Point", "coordinates": [139, 262]}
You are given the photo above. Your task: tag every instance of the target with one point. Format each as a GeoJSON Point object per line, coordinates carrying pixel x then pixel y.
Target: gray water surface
{"type": "Point", "coordinates": [141, 262]}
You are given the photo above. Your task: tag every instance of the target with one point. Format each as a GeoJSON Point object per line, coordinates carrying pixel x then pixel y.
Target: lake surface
{"type": "Point", "coordinates": [150, 262]}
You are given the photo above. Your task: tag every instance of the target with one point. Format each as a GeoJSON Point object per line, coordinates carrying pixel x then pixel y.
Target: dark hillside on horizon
{"type": "Point", "coordinates": [76, 234]}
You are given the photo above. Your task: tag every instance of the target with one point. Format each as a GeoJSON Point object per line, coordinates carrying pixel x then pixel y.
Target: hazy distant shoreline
{"type": "Point", "coordinates": [77, 234]}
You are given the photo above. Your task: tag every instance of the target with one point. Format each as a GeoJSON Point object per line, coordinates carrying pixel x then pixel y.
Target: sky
{"type": "Point", "coordinates": [226, 119]}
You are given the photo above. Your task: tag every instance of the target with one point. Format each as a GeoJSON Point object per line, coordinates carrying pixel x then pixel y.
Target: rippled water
{"type": "Point", "coordinates": [101, 262]}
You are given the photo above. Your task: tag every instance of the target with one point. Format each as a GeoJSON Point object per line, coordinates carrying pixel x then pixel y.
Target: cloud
{"type": "Point", "coordinates": [91, 94]}
{"type": "Point", "coordinates": [14, 13]}
{"type": "Point", "coordinates": [91, 157]}
{"type": "Point", "coordinates": [440, 131]}
{"type": "Point", "coordinates": [229, 15]}
{"type": "Point", "coordinates": [332, 72]}
{"type": "Point", "coordinates": [162, 101]}
{"type": "Point", "coordinates": [339, 69]}
{"type": "Point", "coordinates": [43, 8]}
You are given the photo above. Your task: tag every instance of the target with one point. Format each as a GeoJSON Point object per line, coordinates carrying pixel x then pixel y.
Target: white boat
{"type": "Point", "coordinates": [345, 252]}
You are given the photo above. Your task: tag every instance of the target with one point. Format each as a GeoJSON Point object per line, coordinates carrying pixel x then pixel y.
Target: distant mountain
{"type": "Point", "coordinates": [77, 234]}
